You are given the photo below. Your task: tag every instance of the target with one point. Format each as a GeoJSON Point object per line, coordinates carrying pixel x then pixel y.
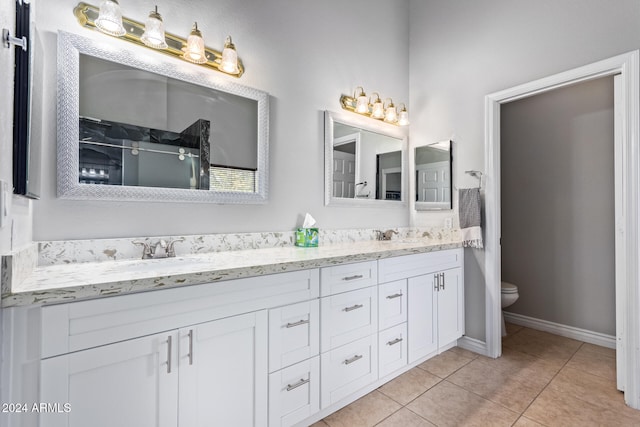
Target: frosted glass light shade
{"type": "Point", "coordinates": [390, 114]}
{"type": "Point", "coordinates": [377, 110]}
{"type": "Point", "coordinates": [403, 117]}
{"type": "Point", "coordinates": [154, 31]}
{"type": "Point", "coordinates": [229, 62]}
{"type": "Point", "coordinates": [194, 51]}
{"type": "Point", "coordinates": [362, 104]}
{"type": "Point", "coordinates": [109, 19]}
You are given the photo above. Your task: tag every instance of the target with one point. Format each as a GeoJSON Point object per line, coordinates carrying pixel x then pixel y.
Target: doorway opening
{"type": "Point", "coordinates": [627, 244]}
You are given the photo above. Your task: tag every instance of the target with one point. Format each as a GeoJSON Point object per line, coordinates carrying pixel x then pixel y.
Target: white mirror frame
{"type": "Point", "coordinates": [352, 119]}
{"type": "Point", "coordinates": [70, 46]}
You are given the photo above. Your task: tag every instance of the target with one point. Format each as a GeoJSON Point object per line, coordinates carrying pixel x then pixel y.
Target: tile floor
{"type": "Point", "coordinates": [540, 380]}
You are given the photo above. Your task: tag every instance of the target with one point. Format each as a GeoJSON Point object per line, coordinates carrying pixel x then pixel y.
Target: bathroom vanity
{"type": "Point", "coordinates": [279, 337]}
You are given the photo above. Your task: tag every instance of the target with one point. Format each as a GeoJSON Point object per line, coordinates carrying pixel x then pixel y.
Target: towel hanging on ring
{"type": "Point", "coordinates": [469, 211]}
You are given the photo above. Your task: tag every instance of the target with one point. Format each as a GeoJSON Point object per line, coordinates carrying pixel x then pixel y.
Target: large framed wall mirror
{"type": "Point", "coordinates": [133, 126]}
{"type": "Point", "coordinates": [365, 163]}
{"type": "Point", "coordinates": [433, 164]}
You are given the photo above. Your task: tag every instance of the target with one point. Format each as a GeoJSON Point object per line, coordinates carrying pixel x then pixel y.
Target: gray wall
{"type": "Point", "coordinates": [557, 194]}
{"type": "Point", "coordinates": [462, 51]}
{"type": "Point", "coordinates": [299, 53]}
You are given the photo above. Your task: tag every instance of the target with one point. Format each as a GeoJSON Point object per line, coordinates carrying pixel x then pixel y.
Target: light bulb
{"type": "Point", "coordinates": [109, 19]}
{"type": "Point", "coordinates": [390, 113]}
{"type": "Point", "coordinates": [154, 31]}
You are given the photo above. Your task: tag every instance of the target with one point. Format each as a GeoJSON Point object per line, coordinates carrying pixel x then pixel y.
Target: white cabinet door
{"type": "Point", "coordinates": [294, 333]}
{"type": "Point", "coordinates": [392, 302]}
{"type": "Point", "coordinates": [450, 307]}
{"type": "Point", "coordinates": [392, 349]}
{"type": "Point", "coordinates": [421, 324]}
{"type": "Point", "coordinates": [294, 393]}
{"type": "Point", "coordinates": [347, 369]}
{"type": "Point", "coordinates": [131, 383]}
{"type": "Point", "coordinates": [223, 372]}
{"type": "Point", "coordinates": [347, 317]}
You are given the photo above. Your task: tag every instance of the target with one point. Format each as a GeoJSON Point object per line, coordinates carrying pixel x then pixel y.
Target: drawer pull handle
{"type": "Point", "coordinates": [398, 295]}
{"type": "Point", "coordinates": [353, 359]}
{"type": "Point", "coordinates": [298, 323]}
{"type": "Point", "coordinates": [298, 384]}
{"type": "Point", "coordinates": [353, 307]}
{"type": "Point", "coordinates": [357, 276]}
{"type": "Point", "coordinates": [169, 354]}
{"type": "Point", "coordinates": [394, 342]}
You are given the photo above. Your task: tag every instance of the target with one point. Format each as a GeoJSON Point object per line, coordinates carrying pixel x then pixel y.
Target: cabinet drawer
{"type": "Point", "coordinates": [343, 278]}
{"type": "Point", "coordinates": [348, 317]}
{"type": "Point", "coordinates": [406, 266]}
{"type": "Point", "coordinates": [392, 303]}
{"type": "Point", "coordinates": [294, 393]}
{"type": "Point", "coordinates": [348, 369]}
{"type": "Point", "coordinates": [294, 333]}
{"type": "Point", "coordinates": [392, 349]}
{"type": "Point", "coordinates": [84, 324]}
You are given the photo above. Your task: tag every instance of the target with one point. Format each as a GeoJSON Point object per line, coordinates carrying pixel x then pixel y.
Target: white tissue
{"type": "Point", "coordinates": [309, 221]}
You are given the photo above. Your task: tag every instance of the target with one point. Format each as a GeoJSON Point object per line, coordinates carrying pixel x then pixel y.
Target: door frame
{"type": "Point", "coordinates": [627, 86]}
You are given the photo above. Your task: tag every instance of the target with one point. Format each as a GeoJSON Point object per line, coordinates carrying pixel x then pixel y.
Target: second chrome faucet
{"type": "Point", "coordinates": [159, 249]}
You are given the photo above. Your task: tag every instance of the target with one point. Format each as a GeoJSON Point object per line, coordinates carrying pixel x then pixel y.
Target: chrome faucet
{"type": "Point", "coordinates": [159, 249]}
{"type": "Point", "coordinates": [386, 235]}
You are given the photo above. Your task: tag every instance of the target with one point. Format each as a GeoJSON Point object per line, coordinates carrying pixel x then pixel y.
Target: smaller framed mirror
{"type": "Point", "coordinates": [365, 163]}
{"type": "Point", "coordinates": [433, 164]}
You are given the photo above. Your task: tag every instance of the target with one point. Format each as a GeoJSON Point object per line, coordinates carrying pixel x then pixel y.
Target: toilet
{"type": "Point", "coordinates": [508, 295]}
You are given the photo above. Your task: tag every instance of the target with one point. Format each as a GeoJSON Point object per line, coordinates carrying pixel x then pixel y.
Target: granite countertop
{"type": "Point", "coordinates": [69, 282]}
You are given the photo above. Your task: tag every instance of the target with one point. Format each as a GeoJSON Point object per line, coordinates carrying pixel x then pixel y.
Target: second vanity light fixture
{"type": "Point", "coordinates": [109, 20]}
{"type": "Point", "coordinates": [374, 107]}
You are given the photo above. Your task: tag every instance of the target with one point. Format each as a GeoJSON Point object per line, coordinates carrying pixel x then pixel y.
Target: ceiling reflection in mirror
{"type": "Point", "coordinates": [364, 164]}
{"type": "Point", "coordinates": [433, 176]}
{"type": "Point", "coordinates": [133, 127]}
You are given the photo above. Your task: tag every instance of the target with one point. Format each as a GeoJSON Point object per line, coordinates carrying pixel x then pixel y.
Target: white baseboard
{"type": "Point", "coordinates": [473, 345]}
{"type": "Point", "coordinates": [562, 330]}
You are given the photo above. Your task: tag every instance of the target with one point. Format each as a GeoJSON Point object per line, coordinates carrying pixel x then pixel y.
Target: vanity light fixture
{"type": "Point", "coordinates": [108, 19]}
{"type": "Point", "coordinates": [194, 50]}
{"type": "Point", "coordinates": [154, 31]}
{"type": "Point", "coordinates": [375, 108]}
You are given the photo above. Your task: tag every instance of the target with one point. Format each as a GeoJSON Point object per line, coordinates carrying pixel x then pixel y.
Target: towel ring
{"type": "Point", "coordinates": [476, 174]}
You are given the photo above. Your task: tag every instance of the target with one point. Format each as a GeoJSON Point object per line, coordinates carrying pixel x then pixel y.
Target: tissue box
{"type": "Point", "coordinates": [307, 237]}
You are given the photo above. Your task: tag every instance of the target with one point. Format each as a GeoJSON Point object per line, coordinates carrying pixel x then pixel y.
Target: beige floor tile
{"type": "Point", "coordinates": [320, 424]}
{"type": "Point", "coordinates": [593, 389]}
{"type": "Point", "coordinates": [465, 353]}
{"type": "Point", "coordinates": [364, 412]}
{"type": "Point", "coordinates": [526, 422]}
{"type": "Point", "coordinates": [445, 364]}
{"type": "Point", "coordinates": [406, 387]}
{"type": "Point", "coordinates": [523, 367]}
{"type": "Point", "coordinates": [543, 345]}
{"type": "Point", "coordinates": [594, 362]}
{"type": "Point", "coordinates": [611, 352]}
{"type": "Point", "coordinates": [449, 405]}
{"type": "Point", "coordinates": [405, 418]}
{"type": "Point", "coordinates": [511, 328]}
{"type": "Point", "coordinates": [500, 387]}
{"type": "Point", "coordinates": [555, 408]}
